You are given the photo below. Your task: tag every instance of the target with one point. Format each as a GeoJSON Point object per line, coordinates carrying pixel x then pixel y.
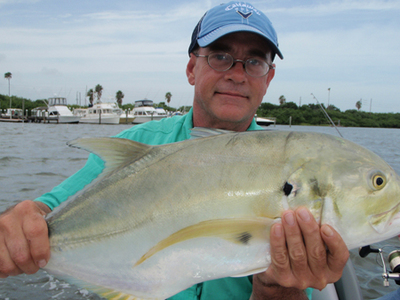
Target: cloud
{"type": "Point", "coordinates": [50, 72]}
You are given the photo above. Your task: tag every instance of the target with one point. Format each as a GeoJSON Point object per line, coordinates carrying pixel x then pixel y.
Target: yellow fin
{"type": "Point", "coordinates": [107, 293]}
{"type": "Point", "coordinates": [110, 294]}
{"type": "Point", "coordinates": [239, 231]}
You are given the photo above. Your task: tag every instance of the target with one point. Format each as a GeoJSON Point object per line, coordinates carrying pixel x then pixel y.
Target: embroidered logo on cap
{"type": "Point", "coordinates": [244, 15]}
{"type": "Point", "coordinates": [241, 7]}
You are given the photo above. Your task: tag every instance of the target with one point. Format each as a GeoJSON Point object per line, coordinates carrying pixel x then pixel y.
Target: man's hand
{"type": "Point", "coordinates": [24, 241]}
{"type": "Point", "coordinates": [302, 255]}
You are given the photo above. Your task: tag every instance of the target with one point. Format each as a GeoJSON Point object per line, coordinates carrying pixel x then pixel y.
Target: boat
{"type": "Point", "coordinates": [145, 112]}
{"type": "Point", "coordinates": [39, 114]}
{"type": "Point", "coordinates": [126, 117]}
{"type": "Point", "coordinates": [99, 113]}
{"type": "Point", "coordinates": [59, 112]}
{"type": "Point", "coordinates": [12, 115]}
{"type": "Point", "coordinates": [161, 112]}
{"type": "Point", "coordinates": [265, 121]}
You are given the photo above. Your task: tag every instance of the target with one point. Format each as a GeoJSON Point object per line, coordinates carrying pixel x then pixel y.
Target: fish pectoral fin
{"type": "Point", "coordinates": [115, 152]}
{"type": "Point", "coordinates": [239, 231]}
{"type": "Point", "coordinates": [252, 272]}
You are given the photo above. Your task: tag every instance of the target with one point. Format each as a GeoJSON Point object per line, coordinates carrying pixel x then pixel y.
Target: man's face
{"type": "Point", "coordinates": [229, 99]}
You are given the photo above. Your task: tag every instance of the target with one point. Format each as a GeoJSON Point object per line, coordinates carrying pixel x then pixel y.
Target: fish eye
{"type": "Point", "coordinates": [378, 181]}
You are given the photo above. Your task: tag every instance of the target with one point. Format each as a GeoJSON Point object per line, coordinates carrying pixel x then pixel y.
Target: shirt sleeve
{"type": "Point", "coordinates": [69, 187]}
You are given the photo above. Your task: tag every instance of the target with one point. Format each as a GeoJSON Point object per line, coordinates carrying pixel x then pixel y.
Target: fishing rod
{"type": "Point", "coordinates": [394, 262]}
{"type": "Point", "coordinates": [326, 115]}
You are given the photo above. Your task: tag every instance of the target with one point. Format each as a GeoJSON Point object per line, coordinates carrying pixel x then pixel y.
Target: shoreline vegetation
{"type": "Point", "coordinates": [285, 114]}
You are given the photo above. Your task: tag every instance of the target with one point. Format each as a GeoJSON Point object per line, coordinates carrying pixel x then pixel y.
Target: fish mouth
{"type": "Point", "coordinates": [380, 222]}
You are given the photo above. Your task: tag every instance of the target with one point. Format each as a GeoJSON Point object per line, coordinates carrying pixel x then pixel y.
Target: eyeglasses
{"type": "Point", "coordinates": [222, 62]}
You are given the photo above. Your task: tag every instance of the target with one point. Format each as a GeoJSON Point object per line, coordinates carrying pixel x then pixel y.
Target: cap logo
{"type": "Point", "coordinates": [244, 15]}
{"type": "Point", "coordinates": [240, 7]}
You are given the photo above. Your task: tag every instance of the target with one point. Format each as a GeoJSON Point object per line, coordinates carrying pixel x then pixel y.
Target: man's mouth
{"type": "Point", "coordinates": [232, 94]}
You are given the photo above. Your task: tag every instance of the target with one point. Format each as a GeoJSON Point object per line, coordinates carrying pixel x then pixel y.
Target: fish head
{"type": "Point", "coordinates": [348, 187]}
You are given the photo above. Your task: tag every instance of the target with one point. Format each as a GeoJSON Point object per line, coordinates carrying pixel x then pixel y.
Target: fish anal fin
{"type": "Point", "coordinates": [239, 231]}
{"type": "Point", "coordinates": [110, 294]}
{"type": "Point", "coordinates": [105, 292]}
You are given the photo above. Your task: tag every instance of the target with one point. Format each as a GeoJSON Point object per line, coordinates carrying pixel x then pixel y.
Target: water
{"type": "Point", "coordinates": [34, 158]}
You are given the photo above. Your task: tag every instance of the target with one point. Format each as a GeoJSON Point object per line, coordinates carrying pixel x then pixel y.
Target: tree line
{"type": "Point", "coordinates": [312, 114]}
{"type": "Point", "coordinates": [308, 114]}
{"type": "Point", "coordinates": [92, 94]}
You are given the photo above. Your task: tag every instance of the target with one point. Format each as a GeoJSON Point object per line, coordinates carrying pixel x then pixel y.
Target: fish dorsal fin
{"type": "Point", "coordinates": [239, 231]}
{"type": "Point", "coordinates": [115, 152]}
{"type": "Point", "coordinates": [201, 132]}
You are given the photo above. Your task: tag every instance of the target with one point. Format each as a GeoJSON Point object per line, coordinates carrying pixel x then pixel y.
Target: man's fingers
{"type": "Point", "coordinates": [7, 266]}
{"type": "Point", "coordinates": [279, 271]}
{"type": "Point", "coordinates": [315, 247]}
{"type": "Point", "coordinates": [24, 245]}
{"type": "Point", "coordinates": [295, 244]}
{"type": "Point", "coordinates": [338, 254]}
{"type": "Point", "coordinates": [279, 254]}
{"type": "Point", "coordinates": [36, 234]}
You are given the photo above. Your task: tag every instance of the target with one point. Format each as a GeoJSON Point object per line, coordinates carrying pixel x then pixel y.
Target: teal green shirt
{"type": "Point", "coordinates": [165, 131]}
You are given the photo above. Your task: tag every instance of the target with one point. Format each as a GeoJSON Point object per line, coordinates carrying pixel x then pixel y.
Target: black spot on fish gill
{"type": "Point", "coordinates": [287, 188]}
{"type": "Point", "coordinates": [244, 237]}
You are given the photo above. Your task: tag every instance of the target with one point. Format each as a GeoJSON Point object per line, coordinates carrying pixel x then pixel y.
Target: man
{"type": "Point", "coordinates": [230, 67]}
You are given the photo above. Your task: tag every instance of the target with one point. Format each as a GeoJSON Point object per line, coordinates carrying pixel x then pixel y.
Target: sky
{"type": "Point", "coordinates": [335, 51]}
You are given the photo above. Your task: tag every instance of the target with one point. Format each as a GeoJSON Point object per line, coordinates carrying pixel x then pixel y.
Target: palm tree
{"type": "Point", "coordinates": [8, 76]}
{"type": "Point", "coordinates": [90, 94]}
{"type": "Point", "coordinates": [99, 90]}
{"type": "Point", "coordinates": [359, 104]}
{"type": "Point", "coordinates": [168, 97]}
{"type": "Point", "coordinates": [120, 95]}
{"type": "Point", "coordinates": [282, 100]}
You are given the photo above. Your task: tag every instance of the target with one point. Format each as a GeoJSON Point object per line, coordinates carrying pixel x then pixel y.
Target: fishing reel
{"type": "Point", "coordinates": [394, 262]}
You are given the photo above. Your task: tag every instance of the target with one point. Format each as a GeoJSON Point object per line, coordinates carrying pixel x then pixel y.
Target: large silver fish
{"type": "Point", "coordinates": [162, 218]}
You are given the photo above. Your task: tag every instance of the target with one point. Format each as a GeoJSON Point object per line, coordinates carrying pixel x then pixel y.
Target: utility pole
{"type": "Point", "coordinates": [329, 94]}
{"type": "Point", "coordinates": [8, 76]}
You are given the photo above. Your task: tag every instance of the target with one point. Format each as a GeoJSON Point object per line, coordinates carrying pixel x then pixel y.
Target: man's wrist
{"type": "Point", "coordinates": [43, 207]}
{"type": "Point", "coordinates": [274, 291]}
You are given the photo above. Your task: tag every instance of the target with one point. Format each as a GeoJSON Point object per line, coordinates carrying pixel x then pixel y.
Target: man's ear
{"type": "Point", "coordinates": [270, 75]}
{"type": "Point", "coordinates": [190, 69]}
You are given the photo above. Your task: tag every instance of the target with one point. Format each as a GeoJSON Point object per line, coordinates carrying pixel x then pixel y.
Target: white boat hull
{"type": "Point", "coordinates": [104, 119]}
{"type": "Point", "coordinates": [264, 121]}
{"type": "Point", "coordinates": [64, 119]}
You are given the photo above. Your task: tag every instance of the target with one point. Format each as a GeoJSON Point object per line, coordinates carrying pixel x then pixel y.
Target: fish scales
{"type": "Point", "coordinates": [162, 218]}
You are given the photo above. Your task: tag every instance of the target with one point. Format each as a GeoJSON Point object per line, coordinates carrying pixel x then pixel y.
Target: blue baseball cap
{"type": "Point", "coordinates": [233, 17]}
